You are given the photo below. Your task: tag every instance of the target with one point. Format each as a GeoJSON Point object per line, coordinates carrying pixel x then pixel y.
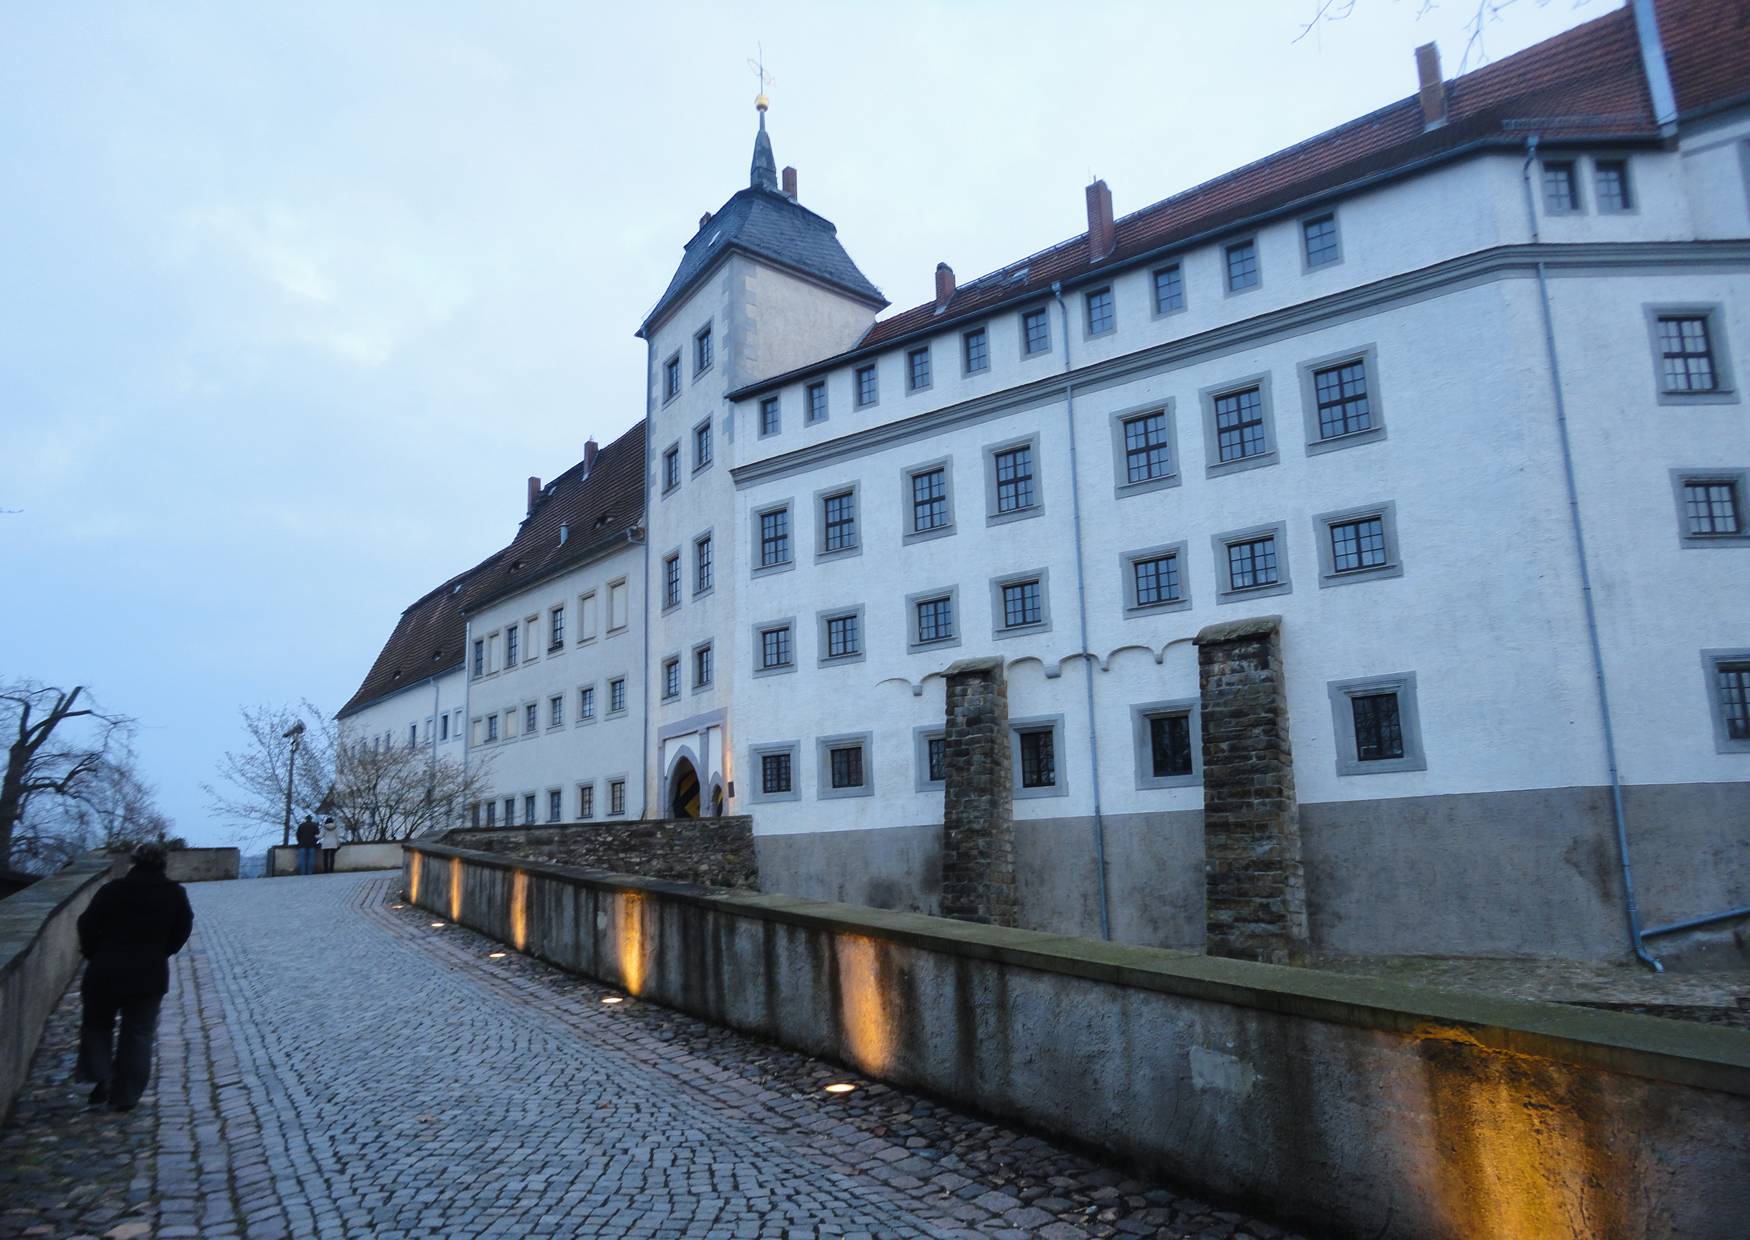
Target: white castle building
{"type": "Point", "coordinates": [1455, 390]}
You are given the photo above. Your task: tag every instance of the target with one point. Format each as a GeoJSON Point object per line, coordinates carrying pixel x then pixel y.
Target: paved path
{"type": "Point", "coordinates": [332, 1065]}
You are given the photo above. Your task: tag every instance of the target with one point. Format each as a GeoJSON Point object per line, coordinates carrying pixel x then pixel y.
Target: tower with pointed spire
{"type": "Point", "coordinates": [764, 172]}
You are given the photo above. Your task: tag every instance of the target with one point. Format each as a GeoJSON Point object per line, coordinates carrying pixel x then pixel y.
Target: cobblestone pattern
{"type": "Point", "coordinates": [713, 852]}
{"type": "Point", "coordinates": [978, 833]}
{"type": "Point", "coordinates": [1255, 887]}
{"type": "Point", "coordinates": [334, 1066]}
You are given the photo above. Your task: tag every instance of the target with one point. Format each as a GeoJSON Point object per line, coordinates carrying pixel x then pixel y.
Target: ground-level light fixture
{"type": "Point", "coordinates": [613, 999]}
{"type": "Point", "coordinates": [840, 1087]}
{"type": "Point", "coordinates": [397, 906]}
{"type": "Point", "coordinates": [495, 955]}
{"type": "Point", "coordinates": [437, 925]}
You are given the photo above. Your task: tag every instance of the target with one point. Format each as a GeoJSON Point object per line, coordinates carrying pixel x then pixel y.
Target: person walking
{"type": "Point", "coordinates": [330, 844]}
{"type": "Point", "coordinates": [307, 838]}
{"type": "Point", "coordinates": [127, 934]}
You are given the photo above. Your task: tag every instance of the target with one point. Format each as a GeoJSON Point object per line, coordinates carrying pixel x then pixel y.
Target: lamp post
{"type": "Point", "coordinates": [295, 733]}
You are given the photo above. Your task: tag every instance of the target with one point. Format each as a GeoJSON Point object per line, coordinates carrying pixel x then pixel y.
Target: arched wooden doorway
{"type": "Point", "coordinates": [684, 790]}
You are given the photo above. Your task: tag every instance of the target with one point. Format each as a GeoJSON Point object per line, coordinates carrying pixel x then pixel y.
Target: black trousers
{"type": "Point", "coordinates": [124, 1065]}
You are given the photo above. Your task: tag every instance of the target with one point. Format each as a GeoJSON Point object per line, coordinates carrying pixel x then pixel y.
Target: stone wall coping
{"type": "Point", "coordinates": [24, 913]}
{"type": "Point", "coordinates": [1684, 1053]}
{"type": "Point", "coordinates": [985, 665]}
{"type": "Point", "coordinates": [1233, 630]}
{"type": "Point", "coordinates": [581, 828]}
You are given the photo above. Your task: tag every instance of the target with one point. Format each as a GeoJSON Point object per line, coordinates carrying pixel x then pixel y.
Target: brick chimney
{"type": "Point", "coordinates": [1102, 236]}
{"type": "Point", "coordinates": [790, 184]}
{"type": "Point", "coordinates": [534, 492]}
{"type": "Point", "coordinates": [704, 220]}
{"type": "Point", "coordinates": [1430, 86]}
{"type": "Point", "coordinates": [944, 284]}
{"type": "Point", "coordinates": [589, 451]}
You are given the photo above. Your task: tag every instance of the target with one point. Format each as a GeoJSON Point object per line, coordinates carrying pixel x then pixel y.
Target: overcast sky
{"type": "Point", "coordinates": [296, 300]}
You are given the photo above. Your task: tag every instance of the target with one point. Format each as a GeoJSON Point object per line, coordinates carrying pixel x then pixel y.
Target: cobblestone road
{"type": "Point", "coordinates": [330, 1065]}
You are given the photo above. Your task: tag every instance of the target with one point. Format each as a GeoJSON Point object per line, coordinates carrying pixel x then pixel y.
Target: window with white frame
{"type": "Point", "coordinates": [1377, 724]}
{"type": "Point", "coordinates": [479, 669]}
{"type": "Point", "coordinates": [586, 617]}
{"type": "Point", "coordinates": [492, 727]}
{"type": "Point", "coordinates": [618, 615]}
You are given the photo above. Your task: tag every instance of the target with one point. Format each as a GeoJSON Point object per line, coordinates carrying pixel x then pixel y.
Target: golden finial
{"type": "Point", "coordinates": [765, 79]}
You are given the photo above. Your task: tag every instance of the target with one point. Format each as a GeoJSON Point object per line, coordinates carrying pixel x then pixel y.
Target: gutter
{"type": "Point", "coordinates": [347, 712]}
{"type": "Point", "coordinates": [598, 551]}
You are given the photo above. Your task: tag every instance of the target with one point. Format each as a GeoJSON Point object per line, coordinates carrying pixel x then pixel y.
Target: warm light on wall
{"type": "Point", "coordinates": [864, 1004]}
{"type": "Point", "coordinates": [415, 864]}
{"type": "Point", "coordinates": [455, 889]}
{"type": "Point", "coordinates": [519, 910]}
{"type": "Point", "coordinates": [632, 941]}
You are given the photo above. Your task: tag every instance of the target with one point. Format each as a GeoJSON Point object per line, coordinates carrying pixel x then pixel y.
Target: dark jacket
{"type": "Point", "coordinates": [130, 930]}
{"type": "Point", "coordinates": [308, 834]}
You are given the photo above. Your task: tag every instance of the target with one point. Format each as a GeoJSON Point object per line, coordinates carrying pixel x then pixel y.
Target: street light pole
{"type": "Point", "coordinates": [295, 733]}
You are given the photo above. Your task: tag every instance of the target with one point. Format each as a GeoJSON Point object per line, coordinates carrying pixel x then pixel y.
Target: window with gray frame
{"type": "Point", "coordinates": [492, 813]}
{"type": "Point", "coordinates": [774, 647]}
{"type": "Point", "coordinates": [1241, 261]}
{"type": "Point", "coordinates": [1710, 507]}
{"type": "Point", "coordinates": [1318, 237]}
{"type": "Point", "coordinates": [1610, 180]}
{"type": "Point", "coordinates": [512, 635]}
{"type": "Point", "coordinates": [1169, 288]}
{"type": "Point", "coordinates": [556, 711]}
{"type": "Point", "coordinates": [774, 537]}
{"type": "Point", "coordinates": [1020, 603]}
{"type": "Point", "coordinates": [841, 635]}
{"type": "Point", "coordinates": [529, 809]}
{"type": "Point", "coordinates": [616, 798]}
{"type": "Point", "coordinates": [617, 695]}
{"type": "Point", "coordinates": [556, 627]}
{"type": "Point", "coordinates": [671, 378]}
{"type": "Point", "coordinates": [671, 468]}
{"type": "Point", "coordinates": [1686, 353]}
{"type": "Point", "coordinates": [586, 703]}
{"type": "Point", "coordinates": [1377, 724]}
{"type": "Point", "coordinates": [930, 620]}
{"type": "Point", "coordinates": [930, 758]}
{"type": "Point", "coordinates": [917, 369]}
{"type": "Point", "coordinates": [975, 350]}
{"type": "Point", "coordinates": [867, 383]}
{"type": "Point", "coordinates": [774, 767]}
{"type": "Point", "coordinates": [1035, 753]}
{"type": "Point", "coordinates": [1148, 452]}
{"type": "Point", "coordinates": [1239, 425]}
{"type": "Point", "coordinates": [1013, 484]}
{"type": "Point", "coordinates": [838, 522]}
{"type": "Point", "coordinates": [771, 416]}
{"type": "Point", "coordinates": [671, 581]}
{"type": "Point", "coordinates": [1101, 311]}
{"type": "Point", "coordinates": [703, 666]}
{"type": "Point", "coordinates": [1340, 399]}
{"type": "Point", "coordinates": [671, 678]}
{"type": "Point", "coordinates": [586, 800]}
{"type": "Point", "coordinates": [701, 445]}
{"type": "Point", "coordinates": [815, 395]}
{"type": "Point", "coordinates": [702, 355]}
{"type": "Point", "coordinates": [1728, 685]}
{"type": "Point", "coordinates": [1561, 187]}
{"type": "Point", "coordinates": [1358, 544]}
{"type": "Point", "coordinates": [555, 805]}
{"type": "Point", "coordinates": [704, 566]}
{"type": "Point", "coordinates": [1250, 563]}
{"type": "Point", "coordinates": [930, 511]}
{"type": "Point", "coordinates": [531, 718]}
{"type": "Point", "coordinates": [844, 766]}
{"type": "Point", "coordinates": [1167, 744]}
{"type": "Point", "coordinates": [1035, 332]}
{"type": "Point", "coordinates": [1154, 579]}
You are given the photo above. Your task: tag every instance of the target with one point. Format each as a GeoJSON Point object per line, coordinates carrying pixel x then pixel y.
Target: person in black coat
{"type": "Point", "coordinates": [309, 835]}
{"type": "Point", "coordinates": [127, 935]}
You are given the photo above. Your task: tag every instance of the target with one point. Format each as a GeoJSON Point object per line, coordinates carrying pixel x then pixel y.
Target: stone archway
{"type": "Point", "coordinates": [683, 790]}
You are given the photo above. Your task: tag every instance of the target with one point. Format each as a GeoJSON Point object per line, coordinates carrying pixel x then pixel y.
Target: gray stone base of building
{"type": "Point", "coordinates": [1524, 873]}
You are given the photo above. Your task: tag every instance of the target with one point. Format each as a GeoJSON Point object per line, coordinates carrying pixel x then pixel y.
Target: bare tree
{"type": "Point", "coordinates": [58, 742]}
{"type": "Point", "coordinates": [251, 787]}
{"type": "Point", "coordinates": [116, 810]}
{"type": "Point", "coordinates": [386, 791]}
{"type": "Point", "coordinates": [1480, 16]}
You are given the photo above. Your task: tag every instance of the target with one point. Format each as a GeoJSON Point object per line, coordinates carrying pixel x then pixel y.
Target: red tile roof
{"type": "Point", "coordinates": [428, 639]}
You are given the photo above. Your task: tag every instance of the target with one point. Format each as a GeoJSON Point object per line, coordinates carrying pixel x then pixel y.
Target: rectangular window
{"type": "Point", "coordinates": [1612, 181]}
{"type": "Point", "coordinates": [1147, 452]}
{"type": "Point", "coordinates": [1169, 745]}
{"type": "Point", "coordinates": [492, 813]}
{"type": "Point", "coordinates": [1021, 604]}
{"type": "Point", "coordinates": [1038, 759]}
{"type": "Point", "coordinates": [847, 765]}
{"type": "Point", "coordinates": [671, 378]}
{"type": "Point", "coordinates": [1379, 736]}
{"type": "Point", "coordinates": [816, 393]}
{"type": "Point", "coordinates": [586, 702]}
{"type": "Point", "coordinates": [917, 369]}
{"type": "Point", "coordinates": [1732, 683]}
{"type": "Point", "coordinates": [701, 446]}
{"type": "Point", "coordinates": [1686, 357]}
{"type": "Point", "coordinates": [531, 719]}
{"type": "Point", "coordinates": [1239, 425]}
{"type": "Point", "coordinates": [412, 735]}
{"type": "Point", "coordinates": [1377, 725]}
{"type": "Point", "coordinates": [474, 814]}
{"type": "Point", "coordinates": [1014, 477]}
{"type": "Point", "coordinates": [1319, 236]}
{"type": "Point", "coordinates": [775, 647]}
{"type": "Point", "coordinates": [511, 649]}
{"type": "Point", "coordinates": [671, 679]}
{"type": "Point", "coordinates": [1169, 286]}
{"type": "Point", "coordinates": [1242, 265]}
{"type": "Point", "coordinates": [616, 695]}
{"type": "Point", "coordinates": [492, 727]}
{"type": "Point", "coordinates": [702, 666]}
{"type": "Point", "coordinates": [935, 620]}
{"type": "Point", "coordinates": [616, 797]}
{"type": "Point", "coordinates": [671, 469]}
{"type": "Point", "coordinates": [586, 617]}
{"type": "Point", "coordinates": [556, 710]}
{"type": "Point", "coordinates": [1036, 332]}
{"type": "Point", "coordinates": [479, 657]}
{"type": "Point", "coordinates": [936, 759]}
{"type": "Point", "coordinates": [929, 500]}
{"type": "Point", "coordinates": [703, 568]}
{"type": "Point", "coordinates": [774, 537]}
{"type": "Point", "coordinates": [775, 773]}
{"type": "Point", "coordinates": [1156, 580]}
{"type": "Point", "coordinates": [671, 581]}
{"type": "Point", "coordinates": [1252, 564]}
{"type": "Point", "coordinates": [555, 805]}
{"type": "Point", "coordinates": [586, 800]}
{"type": "Point", "coordinates": [702, 352]}
{"type": "Point", "coordinates": [531, 639]}
{"type": "Point", "coordinates": [1561, 191]}
{"type": "Point", "coordinates": [1341, 395]}
{"type": "Point", "coordinates": [444, 726]}
{"type": "Point", "coordinates": [839, 518]}
{"type": "Point", "coordinates": [1711, 507]}
{"type": "Point", "coordinates": [1102, 311]}
{"type": "Point", "coordinates": [528, 809]}
{"type": "Point", "coordinates": [556, 628]}
{"type": "Point", "coordinates": [844, 636]}
{"type": "Point", "coordinates": [868, 386]}
{"type": "Point", "coordinates": [1358, 545]}
{"type": "Point", "coordinates": [771, 420]}
{"type": "Point", "coordinates": [975, 349]}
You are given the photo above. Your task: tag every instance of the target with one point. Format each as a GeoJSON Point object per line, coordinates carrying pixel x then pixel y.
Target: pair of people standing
{"type": "Point", "coordinates": [309, 836]}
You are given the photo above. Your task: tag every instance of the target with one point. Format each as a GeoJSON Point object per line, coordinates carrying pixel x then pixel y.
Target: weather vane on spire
{"type": "Point", "coordinates": [765, 79]}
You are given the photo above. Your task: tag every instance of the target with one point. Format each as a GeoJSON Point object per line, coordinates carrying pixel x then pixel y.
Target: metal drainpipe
{"type": "Point", "coordinates": [1075, 496]}
{"type": "Point", "coordinates": [1555, 375]}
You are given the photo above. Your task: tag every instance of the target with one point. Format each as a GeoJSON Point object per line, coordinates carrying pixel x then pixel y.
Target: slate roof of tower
{"type": "Point", "coordinates": [769, 224]}
{"type": "Point", "coordinates": [429, 638]}
{"type": "Point", "coordinates": [1586, 83]}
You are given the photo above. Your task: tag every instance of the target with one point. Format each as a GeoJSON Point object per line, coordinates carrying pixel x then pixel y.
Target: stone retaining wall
{"type": "Point", "coordinates": [712, 852]}
{"type": "Point", "coordinates": [39, 953]}
{"type": "Point", "coordinates": [282, 861]}
{"type": "Point", "coordinates": [1354, 1106]}
{"type": "Point", "coordinates": [202, 865]}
